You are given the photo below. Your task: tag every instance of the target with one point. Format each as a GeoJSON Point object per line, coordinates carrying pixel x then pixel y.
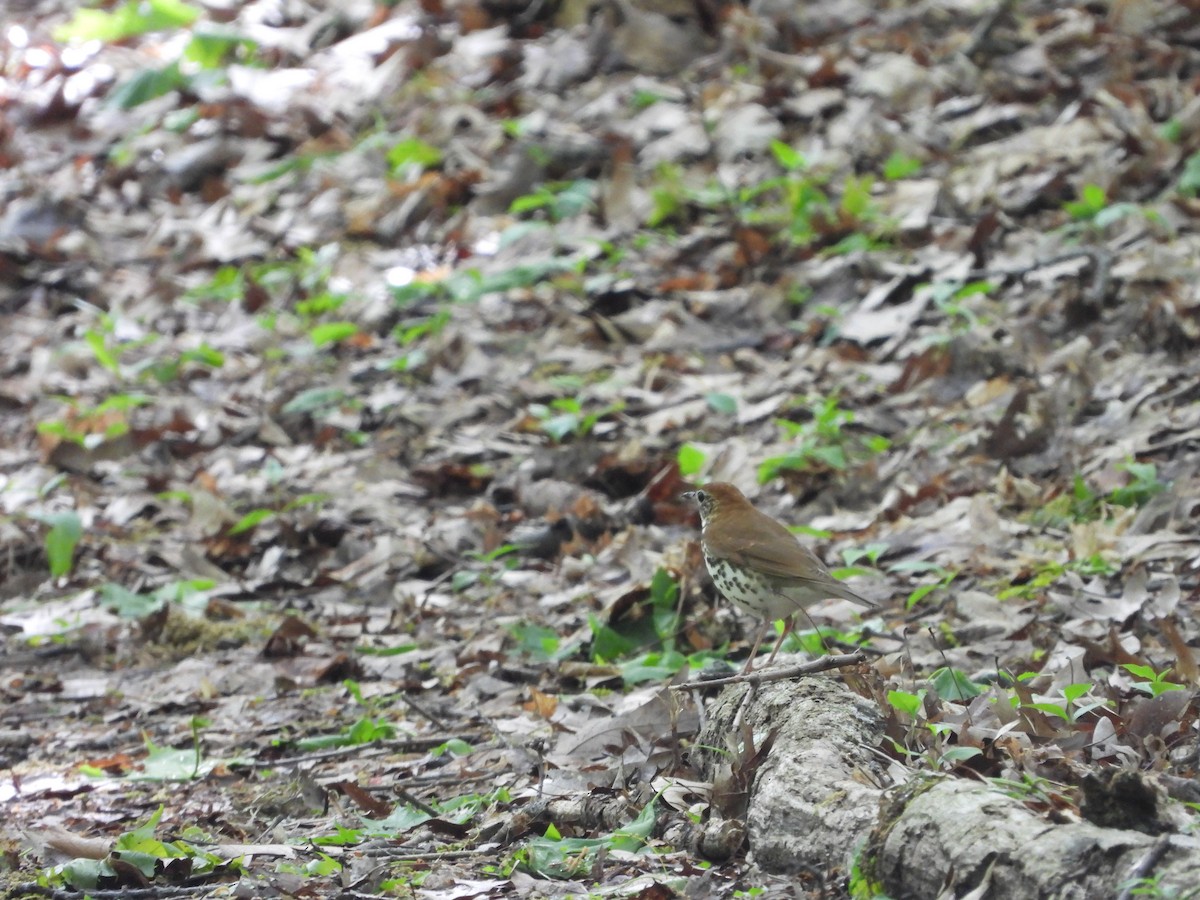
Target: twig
{"type": "Point", "coordinates": [1142, 868]}
{"type": "Point", "coordinates": [1101, 259]}
{"type": "Point", "coordinates": [763, 676]}
{"type": "Point", "coordinates": [413, 800]}
{"type": "Point", "coordinates": [983, 30]}
{"type": "Point", "coordinates": [445, 854]}
{"type": "Point", "coordinates": [411, 745]}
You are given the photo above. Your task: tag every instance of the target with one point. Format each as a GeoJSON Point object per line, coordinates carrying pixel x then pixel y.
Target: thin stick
{"type": "Point", "coordinates": [762, 676]}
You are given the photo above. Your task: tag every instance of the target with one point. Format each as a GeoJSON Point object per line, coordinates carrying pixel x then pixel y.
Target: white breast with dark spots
{"type": "Point", "coordinates": [749, 590]}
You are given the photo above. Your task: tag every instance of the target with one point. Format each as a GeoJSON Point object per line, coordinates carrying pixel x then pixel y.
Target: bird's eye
{"type": "Point", "coordinates": [702, 496]}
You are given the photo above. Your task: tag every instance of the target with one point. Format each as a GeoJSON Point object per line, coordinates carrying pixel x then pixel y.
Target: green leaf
{"type": "Point", "coordinates": [788, 158]}
{"type": "Point", "coordinates": [651, 667]}
{"type": "Point", "coordinates": [128, 20]}
{"type": "Point", "coordinates": [872, 552]}
{"type": "Point", "coordinates": [251, 519]}
{"type": "Point", "coordinates": [1189, 180]}
{"type": "Point", "coordinates": [607, 643]}
{"type": "Point", "coordinates": [65, 532]}
{"type": "Point", "coordinates": [907, 703]}
{"type": "Point", "coordinates": [558, 427]}
{"type": "Point", "coordinates": [413, 153]}
{"type": "Point", "coordinates": [900, 166]}
{"type": "Point", "coordinates": [170, 764]}
{"type": "Point", "coordinates": [1115, 213]}
{"type": "Point", "coordinates": [146, 85]}
{"type": "Point", "coordinates": [314, 400]}
{"type": "Point", "coordinates": [958, 754]}
{"type": "Point", "coordinates": [332, 332]}
{"type": "Point", "coordinates": [920, 594]}
{"type": "Point", "coordinates": [1053, 709]}
{"type": "Point", "coordinates": [722, 403]}
{"type": "Point", "coordinates": [690, 459]}
{"type": "Point", "coordinates": [401, 819]}
{"type": "Point", "coordinates": [100, 349]}
{"type": "Point", "coordinates": [457, 746]}
{"type": "Point", "coordinates": [212, 47]}
{"type": "Point", "coordinates": [341, 837]}
{"type": "Point", "coordinates": [1141, 671]}
{"type": "Point", "coordinates": [205, 355]}
{"type": "Point", "coordinates": [633, 836]}
{"type": "Point", "coordinates": [535, 640]}
{"type": "Point", "coordinates": [1094, 196]}
{"type": "Point", "coordinates": [126, 603]}
{"type": "Point", "coordinates": [951, 684]}
{"type": "Point", "coordinates": [1073, 692]}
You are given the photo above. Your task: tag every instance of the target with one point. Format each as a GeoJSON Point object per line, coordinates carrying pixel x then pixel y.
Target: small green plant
{"type": "Point", "coordinates": [668, 197]}
{"type": "Point", "coordinates": [1156, 682]}
{"type": "Point", "coordinates": [538, 642]}
{"type": "Point", "coordinates": [869, 552]}
{"type": "Point", "coordinates": [690, 459]}
{"type": "Point", "coordinates": [558, 201]}
{"type": "Point", "coordinates": [210, 49]}
{"type": "Point", "coordinates": [172, 368]}
{"type": "Point", "coordinates": [1189, 180]}
{"type": "Point", "coordinates": [822, 442]}
{"type": "Point", "coordinates": [643, 646]}
{"type": "Point", "coordinates": [256, 517]}
{"type": "Point", "coordinates": [1151, 886]}
{"type": "Point", "coordinates": [1093, 212]}
{"type": "Point", "coordinates": [951, 296]}
{"type": "Point", "coordinates": [954, 685]}
{"type": "Point", "coordinates": [721, 403]}
{"type": "Point", "coordinates": [1143, 484]}
{"type": "Point", "coordinates": [66, 530]}
{"type": "Point", "coordinates": [817, 641]}
{"type": "Point", "coordinates": [1049, 573]}
{"type": "Point", "coordinates": [127, 20]}
{"type": "Point", "coordinates": [168, 764]}
{"type": "Point", "coordinates": [1032, 789]}
{"type": "Point", "coordinates": [139, 851]}
{"type": "Point", "coordinates": [1070, 710]}
{"type": "Point", "coordinates": [565, 417]}
{"type": "Point", "coordinates": [1084, 504]}
{"type": "Point", "coordinates": [332, 333]}
{"type": "Point", "coordinates": [940, 574]}
{"type": "Point", "coordinates": [553, 856]}
{"type": "Point", "coordinates": [484, 574]}
{"type": "Point", "coordinates": [803, 207]}
{"type": "Point", "coordinates": [907, 702]}
{"type": "Point", "coordinates": [899, 166]}
{"type": "Point", "coordinates": [366, 730]}
{"type": "Point", "coordinates": [191, 596]}
{"type": "Point", "coordinates": [412, 156]}
{"type": "Point", "coordinates": [925, 739]}
{"type": "Point", "coordinates": [643, 99]}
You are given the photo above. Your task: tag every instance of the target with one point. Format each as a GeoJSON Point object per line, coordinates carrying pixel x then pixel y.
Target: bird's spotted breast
{"type": "Point", "coordinates": [743, 587]}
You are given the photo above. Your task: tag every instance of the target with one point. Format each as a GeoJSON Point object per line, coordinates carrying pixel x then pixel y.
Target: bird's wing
{"type": "Point", "coordinates": [775, 552]}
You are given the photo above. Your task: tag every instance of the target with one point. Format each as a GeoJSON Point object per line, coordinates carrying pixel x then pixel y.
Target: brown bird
{"type": "Point", "coordinates": [758, 564]}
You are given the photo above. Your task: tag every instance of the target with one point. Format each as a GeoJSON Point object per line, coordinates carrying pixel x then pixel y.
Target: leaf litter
{"type": "Point", "coordinates": [349, 358]}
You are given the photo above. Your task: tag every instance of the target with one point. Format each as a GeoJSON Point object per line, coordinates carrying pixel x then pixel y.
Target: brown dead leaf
{"type": "Point", "coordinates": [364, 800]}
{"type": "Point", "coordinates": [541, 704]}
{"type": "Point", "coordinates": [288, 639]}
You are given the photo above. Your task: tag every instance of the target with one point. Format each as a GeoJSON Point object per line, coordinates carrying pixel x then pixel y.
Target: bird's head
{"type": "Point", "coordinates": [713, 497]}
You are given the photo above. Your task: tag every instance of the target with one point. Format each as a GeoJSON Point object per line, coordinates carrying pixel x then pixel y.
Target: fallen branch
{"type": "Point", "coordinates": [777, 673]}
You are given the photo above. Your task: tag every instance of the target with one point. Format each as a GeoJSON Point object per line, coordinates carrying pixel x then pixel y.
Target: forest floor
{"type": "Point", "coordinates": [354, 356]}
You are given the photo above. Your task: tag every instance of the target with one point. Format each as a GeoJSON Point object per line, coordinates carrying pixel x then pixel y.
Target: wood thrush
{"type": "Point", "coordinates": [758, 564]}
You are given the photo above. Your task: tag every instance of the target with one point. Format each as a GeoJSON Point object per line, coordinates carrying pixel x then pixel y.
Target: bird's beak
{"type": "Point", "coordinates": [688, 495]}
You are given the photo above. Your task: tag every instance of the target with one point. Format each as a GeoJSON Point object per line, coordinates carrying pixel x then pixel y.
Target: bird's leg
{"type": "Point", "coordinates": [789, 624]}
{"type": "Point", "coordinates": [749, 666]}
